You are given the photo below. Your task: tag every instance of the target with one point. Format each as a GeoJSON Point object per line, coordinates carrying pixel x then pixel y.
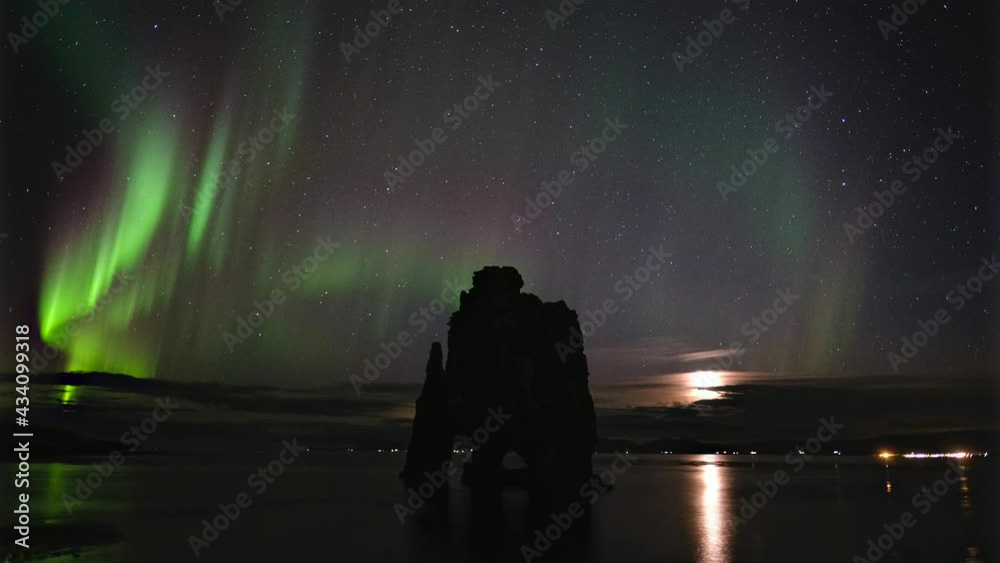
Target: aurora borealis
{"type": "Point", "coordinates": [766, 214]}
{"type": "Point", "coordinates": [262, 138]}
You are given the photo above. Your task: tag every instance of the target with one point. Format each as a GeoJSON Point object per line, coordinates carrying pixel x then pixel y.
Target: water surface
{"type": "Point", "coordinates": [340, 506]}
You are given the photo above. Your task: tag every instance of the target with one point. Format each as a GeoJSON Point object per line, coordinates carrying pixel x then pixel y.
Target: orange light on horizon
{"type": "Point", "coordinates": [703, 384]}
{"type": "Point", "coordinates": [954, 455]}
{"type": "Point", "coordinates": [705, 394]}
{"type": "Point", "coordinates": [706, 379]}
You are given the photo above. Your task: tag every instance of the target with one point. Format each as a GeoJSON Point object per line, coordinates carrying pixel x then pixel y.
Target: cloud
{"type": "Point", "coordinates": [758, 407]}
{"type": "Point", "coordinates": [648, 356]}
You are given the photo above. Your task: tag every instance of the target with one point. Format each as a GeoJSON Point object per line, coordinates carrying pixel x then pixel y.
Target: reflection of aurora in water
{"type": "Point", "coordinates": [68, 395]}
{"type": "Point", "coordinates": [146, 496]}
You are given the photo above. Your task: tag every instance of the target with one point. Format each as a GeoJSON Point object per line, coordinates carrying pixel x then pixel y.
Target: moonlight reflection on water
{"type": "Point", "coordinates": [713, 526]}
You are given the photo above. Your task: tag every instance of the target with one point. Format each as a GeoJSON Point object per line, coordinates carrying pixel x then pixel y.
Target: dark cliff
{"type": "Point", "coordinates": [503, 358]}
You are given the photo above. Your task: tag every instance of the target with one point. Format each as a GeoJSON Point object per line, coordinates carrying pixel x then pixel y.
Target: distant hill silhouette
{"type": "Point", "coordinates": [502, 355]}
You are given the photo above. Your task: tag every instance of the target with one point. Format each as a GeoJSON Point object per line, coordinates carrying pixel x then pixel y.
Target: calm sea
{"type": "Point", "coordinates": [340, 507]}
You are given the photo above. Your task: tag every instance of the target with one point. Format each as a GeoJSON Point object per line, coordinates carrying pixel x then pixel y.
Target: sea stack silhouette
{"type": "Point", "coordinates": [513, 382]}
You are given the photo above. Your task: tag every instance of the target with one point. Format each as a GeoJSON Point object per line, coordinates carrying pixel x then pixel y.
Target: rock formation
{"type": "Point", "coordinates": [431, 441]}
{"type": "Point", "coordinates": [503, 357]}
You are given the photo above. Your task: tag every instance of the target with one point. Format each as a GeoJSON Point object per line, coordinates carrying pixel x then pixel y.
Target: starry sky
{"type": "Point", "coordinates": [192, 271]}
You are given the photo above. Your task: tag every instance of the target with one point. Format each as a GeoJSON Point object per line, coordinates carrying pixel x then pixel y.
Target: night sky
{"type": "Point", "coordinates": [192, 270]}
